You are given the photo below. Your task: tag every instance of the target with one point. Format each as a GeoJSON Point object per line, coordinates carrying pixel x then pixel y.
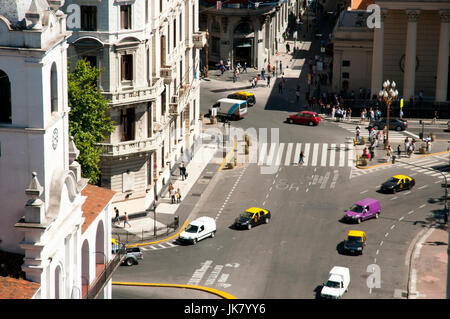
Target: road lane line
{"type": "Point", "coordinates": [422, 206]}
{"type": "Point", "coordinates": [387, 234]}
{"type": "Point", "coordinates": [280, 155]}
{"type": "Point", "coordinates": [422, 187]}
{"type": "Point", "coordinates": [381, 243]}
{"type": "Point", "coordinates": [409, 213]}
{"type": "Point", "coordinates": [392, 227]}
{"type": "Point", "coordinates": [342, 155]}
{"type": "Point", "coordinates": [298, 149]}
{"type": "Point", "coordinates": [350, 154]}
{"type": "Point", "coordinates": [323, 162]}
{"type": "Point", "coordinates": [306, 153]}
{"type": "Point", "coordinates": [287, 160]}
{"type": "Point", "coordinates": [364, 191]}
{"type": "Point", "coordinates": [269, 159]}
{"type": "Point", "coordinates": [315, 154]}
{"type": "Point", "coordinates": [332, 154]}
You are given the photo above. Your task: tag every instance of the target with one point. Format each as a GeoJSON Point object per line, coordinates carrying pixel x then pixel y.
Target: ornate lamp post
{"type": "Point", "coordinates": [389, 95]}
{"type": "Point", "coordinates": [206, 53]}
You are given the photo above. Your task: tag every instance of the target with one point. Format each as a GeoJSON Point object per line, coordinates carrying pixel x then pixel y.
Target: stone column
{"type": "Point", "coordinates": [377, 56]}
{"type": "Point", "coordinates": [442, 66]}
{"type": "Point", "coordinates": [409, 76]}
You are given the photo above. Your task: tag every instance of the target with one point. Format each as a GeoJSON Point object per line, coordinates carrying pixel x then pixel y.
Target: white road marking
{"type": "Point", "coordinates": [315, 154]}
{"type": "Point", "coordinates": [332, 154]}
{"type": "Point", "coordinates": [306, 153]}
{"type": "Point", "coordinates": [341, 155]}
{"type": "Point", "coordinates": [287, 160]}
{"type": "Point", "coordinates": [387, 234]}
{"type": "Point", "coordinates": [423, 205]}
{"type": "Point", "coordinates": [422, 187]}
{"type": "Point", "coordinates": [323, 162]}
{"type": "Point", "coordinates": [392, 227]}
{"type": "Point", "coordinates": [364, 191]}
{"type": "Point", "coordinates": [262, 154]}
{"type": "Point", "coordinates": [409, 213]}
{"type": "Point", "coordinates": [280, 154]}
{"type": "Point", "coordinates": [269, 159]}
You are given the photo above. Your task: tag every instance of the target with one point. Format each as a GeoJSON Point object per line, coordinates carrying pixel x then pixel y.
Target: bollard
{"type": "Point", "coordinates": [176, 221]}
{"type": "Point", "coordinates": [393, 159]}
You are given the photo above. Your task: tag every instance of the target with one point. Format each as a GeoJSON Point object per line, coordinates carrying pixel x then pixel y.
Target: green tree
{"type": "Point", "coordinates": [89, 123]}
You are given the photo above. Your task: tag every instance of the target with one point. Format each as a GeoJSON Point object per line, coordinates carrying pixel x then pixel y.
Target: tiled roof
{"type": "Point", "coordinates": [361, 4]}
{"type": "Point", "coordinates": [12, 288]}
{"type": "Point", "coordinates": [96, 201]}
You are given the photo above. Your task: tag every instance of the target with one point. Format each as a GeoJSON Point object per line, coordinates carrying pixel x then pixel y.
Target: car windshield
{"type": "Point", "coordinates": [354, 239]}
{"type": "Point", "coordinates": [357, 208]}
{"type": "Point", "coordinates": [332, 284]}
{"type": "Point", "coordinates": [393, 180]}
{"type": "Point", "coordinates": [246, 215]}
{"type": "Point", "coordinates": [191, 228]}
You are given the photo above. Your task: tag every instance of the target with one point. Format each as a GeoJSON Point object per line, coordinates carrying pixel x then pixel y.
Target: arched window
{"type": "Point", "coordinates": [54, 88]}
{"type": "Point", "coordinates": [243, 28]}
{"type": "Point", "coordinates": [5, 98]}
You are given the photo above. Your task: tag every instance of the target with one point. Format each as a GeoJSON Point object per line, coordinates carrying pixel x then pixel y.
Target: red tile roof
{"type": "Point", "coordinates": [96, 201]}
{"type": "Point", "coordinates": [361, 4]}
{"type": "Point", "coordinates": [12, 288]}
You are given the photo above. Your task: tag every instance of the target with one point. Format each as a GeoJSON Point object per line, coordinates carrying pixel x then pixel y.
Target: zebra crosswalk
{"type": "Point", "coordinates": [393, 135]}
{"type": "Point", "coordinates": [315, 154]}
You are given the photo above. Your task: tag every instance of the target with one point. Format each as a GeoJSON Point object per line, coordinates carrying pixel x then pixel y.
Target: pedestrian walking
{"type": "Point", "coordinates": [288, 48]}
{"type": "Point", "coordinates": [372, 153]}
{"type": "Point", "coordinates": [281, 67]}
{"type": "Point", "coordinates": [273, 71]}
{"type": "Point", "coordinates": [245, 67]}
{"type": "Point", "coordinates": [263, 73]}
{"type": "Point", "coordinates": [172, 195]}
{"type": "Point", "coordinates": [181, 167]}
{"type": "Point", "coordinates": [388, 154]}
{"type": "Point", "coordinates": [399, 150]}
{"type": "Point", "coordinates": [178, 195]}
{"type": "Point", "coordinates": [358, 132]}
{"type": "Point", "coordinates": [116, 218]}
{"type": "Point", "coordinates": [302, 158]}
{"type": "Point", "coordinates": [268, 80]}
{"type": "Point", "coordinates": [126, 221]}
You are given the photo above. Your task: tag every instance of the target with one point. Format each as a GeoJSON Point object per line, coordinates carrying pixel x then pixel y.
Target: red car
{"type": "Point", "coordinates": [304, 117]}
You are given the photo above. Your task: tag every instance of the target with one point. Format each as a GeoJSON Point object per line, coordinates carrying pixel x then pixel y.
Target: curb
{"type": "Point", "coordinates": [222, 294]}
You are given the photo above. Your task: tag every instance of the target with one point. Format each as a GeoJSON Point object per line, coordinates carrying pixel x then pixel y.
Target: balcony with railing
{"type": "Point", "coordinates": [131, 147]}
{"type": "Point", "coordinates": [135, 94]}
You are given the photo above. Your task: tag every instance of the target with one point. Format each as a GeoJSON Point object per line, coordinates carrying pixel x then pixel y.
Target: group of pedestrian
{"type": "Point", "coordinates": [183, 173]}
{"type": "Point", "coordinates": [175, 195]}
{"type": "Point", "coordinates": [116, 219]}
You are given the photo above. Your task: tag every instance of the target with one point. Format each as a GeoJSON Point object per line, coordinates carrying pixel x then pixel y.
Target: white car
{"type": "Point", "coordinates": [198, 229]}
{"type": "Point", "coordinates": [337, 284]}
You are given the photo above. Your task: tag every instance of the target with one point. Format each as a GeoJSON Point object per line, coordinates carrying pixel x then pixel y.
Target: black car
{"type": "Point", "coordinates": [398, 183]}
{"type": "Point", "coordinates": [355, 242]}
{"type": "Point", "coordinates": [394, 124]}
{"type": "Point", "coordinates": [252, 217]}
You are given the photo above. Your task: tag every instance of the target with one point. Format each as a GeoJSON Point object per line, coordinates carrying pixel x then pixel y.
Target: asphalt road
{"type": "Point", "coordinates": [291, 256]}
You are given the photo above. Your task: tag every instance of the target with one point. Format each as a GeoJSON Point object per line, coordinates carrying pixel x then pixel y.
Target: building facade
{"type": "Point", "coordinates": [44, 214]}
{"type": "Point", "coordinates": [245, 31]}
{"type": "Point", "coordinates": [149, 55]}
{"type": "Point", "coordinates": [410, 46]}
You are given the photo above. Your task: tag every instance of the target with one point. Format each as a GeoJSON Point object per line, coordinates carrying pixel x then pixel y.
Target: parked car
{"type": "Point", "coordinates": [337, 283]}
{"type": "Point", "coordinates": [355, 241]}
{"type": "Point", "coordinates": [394, 124]}
{"type": "Point", "coordinates": [201, 228]}
{"type": "Point", "coordinates": [398, 183]}
{"type": "Point", "coordinates": [132, 254]}
{"type": "Point", "coordinates": [252, 217]}
{"type": "Point", "coordinates": [243, 95]}
{"type": "Point", "coordinates": [304, 117]}
{"type": "Point", "coordinates": [363, 209]}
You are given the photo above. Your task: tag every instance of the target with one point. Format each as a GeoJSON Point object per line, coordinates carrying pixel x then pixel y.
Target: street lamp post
{"type": "Point", "coordinates": [206, 53]}
{"type": "Point", "coordinates": [389, 95]}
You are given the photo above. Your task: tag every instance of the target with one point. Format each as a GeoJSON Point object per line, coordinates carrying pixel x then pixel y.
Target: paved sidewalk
{"type": "Point", "coordinates": [428, 273]}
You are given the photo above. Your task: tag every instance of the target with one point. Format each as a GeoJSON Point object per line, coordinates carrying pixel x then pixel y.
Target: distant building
{"type": "Point", "coordinates": [149, 54]}
{"type": "Point", "coordinates": [245, 31]}
{"type": "Point", "coordinates": [410, 47]}
{"type": "Point", "coordinates": [58, 226]}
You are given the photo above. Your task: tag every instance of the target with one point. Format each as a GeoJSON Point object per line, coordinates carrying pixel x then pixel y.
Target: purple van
{"type": "Point", "coordinates": [362, 210]}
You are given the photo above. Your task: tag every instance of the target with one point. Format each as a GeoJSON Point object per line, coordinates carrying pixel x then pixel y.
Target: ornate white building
{"type": "Point", "coordinates": [149, 54]}
{"type": "Point", "coordinates": [49, 214]}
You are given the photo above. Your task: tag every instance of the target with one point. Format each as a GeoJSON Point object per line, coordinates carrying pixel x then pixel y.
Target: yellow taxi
{"type": "Point", "coordinates": [355, 241]}
{"type": "Point", "coordinates": [243, 95]}
{"type": "Point", "coordinates": [398, 183]}
{"type": "Point", "coordinates": [252, 217]}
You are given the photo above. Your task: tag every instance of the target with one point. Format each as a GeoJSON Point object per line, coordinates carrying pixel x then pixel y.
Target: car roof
{"type": "Point", "coordinates": [356, 233]}
{"type": "Point", "coordinates": [401, 176]}
{"type": "Point", "coordinates": [227, 100]}
{"type": "Point", "coordinates": [201, 220]}
{"type": "Point", "coordinates": [308, 112]}
{"type": "Point", "coordinates": [243, 93]}
{"type": "Point", "coordinates": [366, 201]}
{"type": "Point", "coordinates": [255, 210]}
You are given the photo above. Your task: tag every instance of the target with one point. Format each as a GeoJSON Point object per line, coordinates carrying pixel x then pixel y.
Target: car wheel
{"type": "Point", "coordinates": [398, 128]}
{"type": "Point", "coordinates": [394, 190]}
{"type": "Point", "coordinates": [291, 121]}
{"type": "Point", "coordinates": [377, 215]}
{"type": "Point", "coordinates": [129, 262]}
{"type": "Point", "coordinates": [249, 226]}
{"type": "Point", "coordinates": [213, 234]}
{"type": "Point", "coordinates": [266, 220]}
{"type": "Point", "coordinates": [310, 123]}
{"type": "Point", "coordinates": [359, 220]}
{"type": "Point", "coordinates": [194, 241]}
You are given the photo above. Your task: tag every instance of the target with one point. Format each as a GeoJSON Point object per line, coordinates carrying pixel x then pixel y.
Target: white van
{"type": "Point", "coordinates": [198, 229]}
{"type": "Point", "coordinates": [231, 109]}
{"type": "Point", "coordinates": [337, 284]}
